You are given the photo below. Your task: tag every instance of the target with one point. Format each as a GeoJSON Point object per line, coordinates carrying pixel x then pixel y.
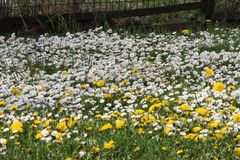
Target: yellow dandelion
{"type": "Point", "coordinates": [231, 87]}
{"type": "Point", "coordinates": [71, 122]}
{"type": "Point", "coordinates": [98, 116]}
{"type": "Point", "coordinates": [209, 72]}
{"type": "Point", "coordinates": [109, 145]}
{"type": "Point", "coordinates": [232, 107]}
{"type": "Point", "coordinates": [101, 83]}
{"type": "Point", "coordinates": [17, 143]}
{"type": "Point", "coordinates": [213, 124]}
{"type": "Point", "coordinates": [196, 129]}
{"type": "Point", "coordinates": [218, 86]}
{"type": "Point", "coordinates": [47, 123]}
{"type": "Point", "coordinates": [38, 136]}
{"type": "Point", "coordinates": [138, 111]}
{"type": "Point", "coordinates": [140, 131]}
{"type": "Point", "coordinates": [37, 121]}
{"type": "Point", "coordinates": [185, 31]}
{"type": "Point", "coordinates": [69, 92]}
{"type": "Point", "coordinates": [179, 152]}
{"type": "Point", "coordinates": [64, 73]}
{"type": "Point", "coordinates": [108, 96]}
{"type": "Point", "coordinates": [15, 91]}
{"type": "Point", "coordinates": [137, 149]}
{"type": "Point", "coordinates": [185, 107]}
{"type": "Point", "coordinates": [167, 130]}
{"type": "Point", "coordinates": [106, 127]}
{"type": "Point", "coordinates": [62, 126]}
{"type": "Point", "coordinates": [2, 103]}
{"type": "Point", "coordinates": [236, 117]}
{"type": "Point", "coordinates": [58, 135]}
{"type": "Point", "coordinates": [17, 126]}
{"type": "Point", "coordinates": [95, 150]}
{"type": "Point", "coordinates": [164, 148]}
{"type": "Point", "coordinates": [202, 111]}
{"type": "Point", "coordinates": [84, 86]}
{"type": "Point", "coordinates": [237, 151]}
{"type": "Point", "coordinates": [120, 123]}
{"type": "Point", "coordinates": [14, 107]}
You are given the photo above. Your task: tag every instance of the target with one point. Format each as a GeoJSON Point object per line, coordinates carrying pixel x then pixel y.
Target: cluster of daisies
{"type": "Point", "coordinates": [56, 88]}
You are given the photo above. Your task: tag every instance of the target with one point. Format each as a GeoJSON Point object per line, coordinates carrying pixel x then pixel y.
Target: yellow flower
{"type": "Point", "coordinates": [2, 103]}
{"type": "Point", "coordinates": [114, 115]}
{"type": "Point", "coordinates": [202, 111]}
{"type": "Point", "coordinates": [147, 119]}
{"type": "Point", "coordinates": [69, 92]}
{"type": "Point", "coordinates": [113, 87]}
{"type": "Point", "coordinates": [140, 131]}
{"type": "Point", "coordinates": [196, 129]}
{"type": "Point", "coordinates": [68, 158]}
{"type": "Point", "coordinates": [237, 137]}
{"type": "Point", "coordinates": [167, 129]}
{"type": "Point", "coordinates": [218, 135]}
{"type": "Point", "coordinates": [38, 136]}
{"type": "Point", "coordinates": [138, 111]}
{"type": "Point", "coordinates": [210, 99]}
{"type": "Point", "coordinates": [27, 107]}
{"type": "Point", "coordinates": [236, 117]}
{"type": "Point", "coordinates": [185, 31]}
{"type": "Point", "coordinates": [137, 149]}
{"type": "Point", "coordinates": [105, 127]}
{"type": "Point", "coordinates": [185, 107]}
{"type": "Point", "coordinates": [154, 106]}
{"type": "Point", "coordinates": [232, 107]}
{"type": "Point", "coordinates": [98, 116]}
{"type": "Point", "coordinates": [154, 100]}
{"type": "Point", "coordinates": [47, 123]}
{"type": "Point", "coordinates": [165, 103]}
{"type": "Point", "coordinates": [14, 107]}
{"type": "Point", "coordinates": [164, 148]}
{"type": "Point", "coordinates": [123, 82]}
{"type": "Point", "coordinates": [37, 121]}
{"type": "Point", "coordinates": [190, 136]}
{"type": "Point", "coordinates": [84, 86]}
{"type": "Point", "coordinates": [170, 122]}
{"type": "Point", "coordinates": [231, 87]}
{"type": "Point", "coordinates": [100, 83]}
{"type": "Point", "coordinates": [62, 126]}
{"type": "Point", "coordinates": [120, 123]}
{"type": "Point", "coordinates": [71, 122]}
{"type": "Point", "coordinates": [17, 143]}
{"type": "Point", "coordinates": [95, 150]}
{"type": "Point", "coordinates": [108, 96]}
{"type": "Point", "coordinates": [109, 145]}
{"type": "Point", "coordinates": [237, 151]}
{"type": "Point", "coordinates": [213, 124]}
{"type": "Point", "coordinates": [179, 152]}
{"type": "Point", "coordinates": [215, 158]}
{"type": "Point", "coordinates": [209, 72]}
{"type": "Point", "coordinates": [59, 135]}
{"type": "Point", "coordinates": [64, 73]}
{"type": "Point", "coordinates": [17, 126]}
{"type": "Point", "coordinates": [15, 91]}
{"type": "Point", "coordinates": [218, 86]}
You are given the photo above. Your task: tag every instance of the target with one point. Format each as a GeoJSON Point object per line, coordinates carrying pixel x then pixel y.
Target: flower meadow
{"type": "Point", "coordinates": [104, 95]}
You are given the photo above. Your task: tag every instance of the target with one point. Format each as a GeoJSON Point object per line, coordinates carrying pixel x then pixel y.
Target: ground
{"type": "Point", "coordinates": [105, 95]}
